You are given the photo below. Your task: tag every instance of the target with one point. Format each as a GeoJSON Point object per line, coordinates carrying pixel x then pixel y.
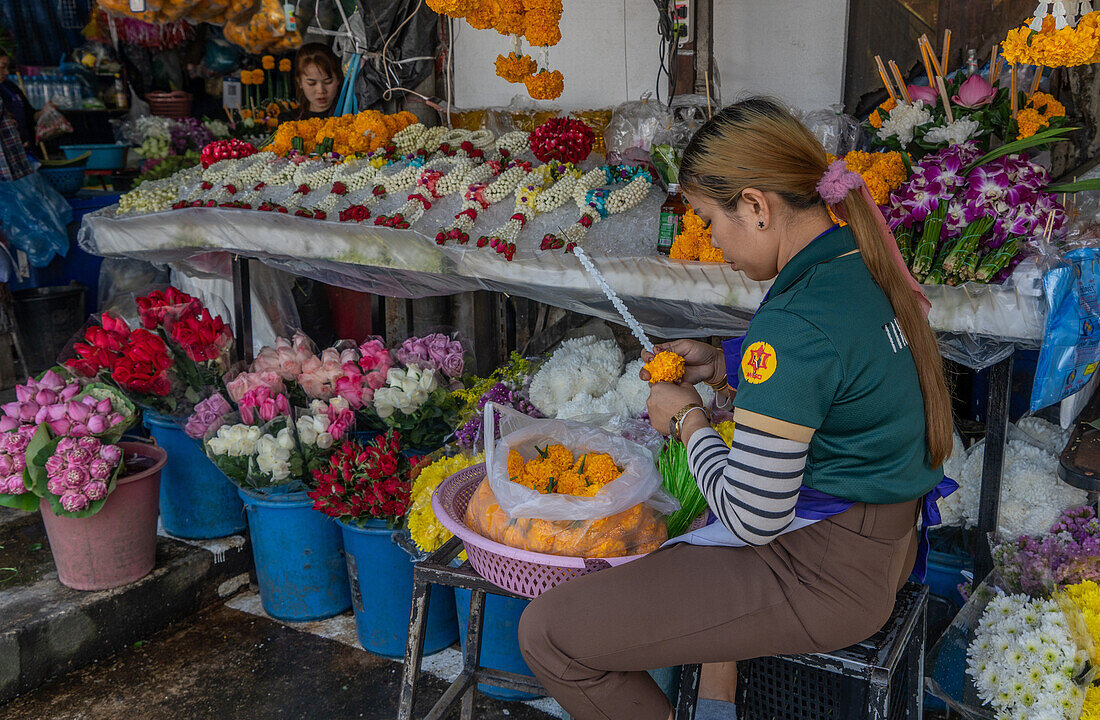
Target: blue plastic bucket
{"type": "Point", "coordinates": [945, 573]}
{"type": "Point", "coordinates": [197, 501]}
{"type": "Point", "coordinates": [299, 557]}
{"type": "Point", "coordinates": [381, 576]}
{"type": "Point", "coordinates": [499, 639]}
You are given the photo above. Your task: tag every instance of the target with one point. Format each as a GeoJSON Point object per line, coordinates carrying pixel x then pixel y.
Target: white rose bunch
{"type": "Point", "coordinates": [273, 455]}
{"type": "Point", "coordinates": [235, 440]}
{"type": "Point", "coordinates": [405, 390]}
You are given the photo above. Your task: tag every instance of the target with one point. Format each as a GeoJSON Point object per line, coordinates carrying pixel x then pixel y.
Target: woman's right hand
{"type": "Point", "coordinates": [702, 362]}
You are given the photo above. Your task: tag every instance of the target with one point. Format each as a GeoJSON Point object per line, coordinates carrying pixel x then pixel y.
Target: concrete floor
{"type": "Point", "coordinates": [226, 664]}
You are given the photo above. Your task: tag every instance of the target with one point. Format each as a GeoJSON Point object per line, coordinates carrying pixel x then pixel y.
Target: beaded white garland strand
{"type": "Point", "coordinates": [631, 321]}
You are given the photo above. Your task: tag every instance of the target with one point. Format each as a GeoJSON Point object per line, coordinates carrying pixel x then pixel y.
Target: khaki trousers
{"type": "Point", "coordinates": [818, 589]}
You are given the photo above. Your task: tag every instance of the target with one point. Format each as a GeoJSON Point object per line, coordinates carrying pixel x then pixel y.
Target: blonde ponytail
{"type": "Point", "coordinates": [757, 143]}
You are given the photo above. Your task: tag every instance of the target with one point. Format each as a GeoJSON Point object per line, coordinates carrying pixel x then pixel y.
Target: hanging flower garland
{"type": "Point", "coordinates": [1053, 42]}
{"type": "Point", "coordinates": [596, 202]}
{"type": "Point", "coordinates": [515, 68]}
{"type": "Point", "coordinates": [545, 85]}
{"type": "Point", "coordinates": [542, 22]}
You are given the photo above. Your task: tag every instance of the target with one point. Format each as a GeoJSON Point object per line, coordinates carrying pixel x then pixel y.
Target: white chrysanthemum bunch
{"type": "Point", "coordinates": [904, 121]}
{"type": "Point", "coordinates": [955, 133]}
{"type": "Point", "coordinates": [1023, 660]}
{"type": "Point", "coordinates": [582, 366]}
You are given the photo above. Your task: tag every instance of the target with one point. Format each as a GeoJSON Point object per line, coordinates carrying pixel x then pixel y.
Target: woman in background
{"type": "Point", "coordinates": [317, 81]}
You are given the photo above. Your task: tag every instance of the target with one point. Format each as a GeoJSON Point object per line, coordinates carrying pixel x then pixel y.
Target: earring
{"type": "Point", "coordinates": [760, 224]}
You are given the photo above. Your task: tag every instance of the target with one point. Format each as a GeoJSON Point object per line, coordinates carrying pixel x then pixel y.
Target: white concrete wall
{"type": "Point", "coordinates": [791, 48]}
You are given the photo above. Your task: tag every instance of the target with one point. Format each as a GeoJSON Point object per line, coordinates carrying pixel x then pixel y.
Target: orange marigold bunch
{"type": "Point", "coordinates": [883, 172]}
{"type": "Point", "coordinates": [1051, 47]}
{"type": "Point", "coordinates": [545, 85]}
{"type": "Point", "coordinates": [1041, 109]}
{"type": "Point", "coordinates": [666, 366]}
{"type": "Point", "coordinates": [542, 18]}
{"type": "Point", "coordinates": [515, 68]}
{"type": "Point", "coordinates": [877, 115]}
{"type": "Point", "coordinates": [511, 20]}
{"type": "Point", "coordinates": [483, 14]}
{"type": "Point", "coordinates": [555, 470]}
{"type": "Point", "coordinates": [351, 134]}
{"type": "Point", "coordinates": [693, 242]}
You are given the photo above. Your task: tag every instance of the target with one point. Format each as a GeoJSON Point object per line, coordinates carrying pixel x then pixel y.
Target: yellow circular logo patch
{"type": "Point", "coordinates": [758, 362]}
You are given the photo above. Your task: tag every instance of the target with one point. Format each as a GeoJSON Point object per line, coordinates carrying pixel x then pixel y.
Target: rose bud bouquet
{"type": "Point", "coordinates": [415, 403]}
{"type": "Point", "coordinates": [321, 429]}
{"type": "Point", "coordinates": [365, 482]}
{"type": "Point", "coordinates": [278, 459]}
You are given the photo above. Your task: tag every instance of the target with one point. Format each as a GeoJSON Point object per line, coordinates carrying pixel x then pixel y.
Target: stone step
{"type": "Point", "coordinates": [47, 629]}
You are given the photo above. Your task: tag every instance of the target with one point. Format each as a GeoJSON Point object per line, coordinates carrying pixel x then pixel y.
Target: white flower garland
{"type": "Point", "coordinates": [588, 195]}
{"type": "Point", "coordinates": [503, 238]}
{"type": "Point", "coordinates": [408, 140]}
{"type": "Point", "coordinates": [513, 143]}
{"type": "Point", "coordinates": [150, 196]}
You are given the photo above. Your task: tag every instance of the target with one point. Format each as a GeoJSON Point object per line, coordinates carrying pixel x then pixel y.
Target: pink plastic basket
{"type": "Point", "coordinates": [523, 572]}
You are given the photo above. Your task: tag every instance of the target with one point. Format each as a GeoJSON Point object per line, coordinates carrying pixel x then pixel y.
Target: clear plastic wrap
{"type": "Point", "coordinates": [632, 130]}
{"type": "Point", "coordinates": [639, 483]}
{"type": "Point", "coordinates": [838, 132]}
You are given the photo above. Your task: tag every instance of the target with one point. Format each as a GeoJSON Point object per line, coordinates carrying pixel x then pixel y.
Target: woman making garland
{"type": "Point", "coordinates": [843, 422]}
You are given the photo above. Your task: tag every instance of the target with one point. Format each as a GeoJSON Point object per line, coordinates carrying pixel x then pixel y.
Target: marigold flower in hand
{"type": "Point", "coordinates": [666, 366]}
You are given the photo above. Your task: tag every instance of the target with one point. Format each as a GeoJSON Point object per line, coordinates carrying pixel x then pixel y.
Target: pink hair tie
{"type": "Point", "coordinates": [837, 182]}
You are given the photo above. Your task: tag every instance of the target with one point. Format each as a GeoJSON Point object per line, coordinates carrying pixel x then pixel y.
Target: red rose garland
{"type": "Point", "coordinates": [563, 139]}
{"type": "Point", "coordinates": [226, 150]}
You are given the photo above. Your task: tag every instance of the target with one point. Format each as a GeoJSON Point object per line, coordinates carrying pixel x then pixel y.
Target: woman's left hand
{"type": "Point", "coordinates": [667, 399]}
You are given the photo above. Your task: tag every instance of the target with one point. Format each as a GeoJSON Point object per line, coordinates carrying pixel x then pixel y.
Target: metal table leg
{"type": "Point", "coordinates": [996, 434]}
{"type": "Point", "coordinates": [242, 308]}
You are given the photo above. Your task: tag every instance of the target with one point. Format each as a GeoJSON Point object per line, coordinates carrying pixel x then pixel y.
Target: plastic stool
{"type": "Point", "coordinates": [437, 570]}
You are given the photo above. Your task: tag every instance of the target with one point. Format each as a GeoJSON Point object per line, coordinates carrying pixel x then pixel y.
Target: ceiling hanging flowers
{"type": "Point", "coordinates": [1056, 37]}
{"type": "Point", "coordinates": [537, 20]}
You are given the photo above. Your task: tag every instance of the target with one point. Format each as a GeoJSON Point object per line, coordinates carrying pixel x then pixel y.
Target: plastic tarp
{"type": "Point", "coordinates": [978, 323]}
{"type": "Point", "coordinates": [33, 217]}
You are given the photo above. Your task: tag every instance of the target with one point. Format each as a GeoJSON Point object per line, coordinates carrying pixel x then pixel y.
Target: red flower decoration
{"type": "Point", "coordinates": [562, 139]}
{"type": "Point", "coordinates": [225, 150]}
{"type": "Point", "coordinates": [365, 482]}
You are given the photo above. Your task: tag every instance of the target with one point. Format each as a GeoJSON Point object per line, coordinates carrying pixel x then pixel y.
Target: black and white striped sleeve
{"type": "Point", "coordinates": [753, 485]}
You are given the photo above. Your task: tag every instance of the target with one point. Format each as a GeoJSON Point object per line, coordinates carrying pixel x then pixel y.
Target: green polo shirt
{"type": "Point", "coordinates": [824, 361]}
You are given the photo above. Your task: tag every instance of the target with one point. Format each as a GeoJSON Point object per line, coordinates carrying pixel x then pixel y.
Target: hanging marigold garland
{"type": "Point", "coordinates": [537, 20]}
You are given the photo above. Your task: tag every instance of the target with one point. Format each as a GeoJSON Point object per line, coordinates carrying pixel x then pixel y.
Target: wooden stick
{"type": "Point", "coordinates": [946, 49]}
{"type": "Point", "coordinates": [1012, 90]}
{"type": "Point", "coordinates": [885, 79]}
{"type": "Point", "coordinates": [928, 65]}
{"type": "Point", "coordinates": [946, 100]}
{"type": "Point", "coordinates": [993, 65]}
{"type": "Point", "coordinates": [706, 79]}
{"type": "Point", "coordinates": [932, 55]}
{"type": "Point", "coordinates": [901, 83]}
{"type": "Point", "coordinates": [1036, 80]}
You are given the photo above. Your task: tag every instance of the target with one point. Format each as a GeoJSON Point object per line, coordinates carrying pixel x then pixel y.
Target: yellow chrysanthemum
{"type": "Point", "coordinates": [666, 366]}
{"type": "Point", "coordinates": [427, 532]}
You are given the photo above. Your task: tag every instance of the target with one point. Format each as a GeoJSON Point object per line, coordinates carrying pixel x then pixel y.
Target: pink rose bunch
{"type": "Point", "coordinates": [52, 401]}
{"type": "Point", "coordinates": [435, 351]}
{"type": "Point", "coordinates": [286, 358]}
{"type": "Point", "coordinates": [365, 375]}
{"type": "Point", "coordinates": [319, 374]}
{"type": "Point", "coordinates": [240, 386]}
{"type": "Point", "coordinates": [13, 459]}
{"type": "Point", "coordinates": [209, 415]}
{"type": "Point", "coordinates": [80, 471]}
{"type": "Point", "coordinates": [264, 405]}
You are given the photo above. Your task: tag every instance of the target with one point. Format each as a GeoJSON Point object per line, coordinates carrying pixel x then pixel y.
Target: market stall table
{"type": "Point", "coordinates": [978, 324]}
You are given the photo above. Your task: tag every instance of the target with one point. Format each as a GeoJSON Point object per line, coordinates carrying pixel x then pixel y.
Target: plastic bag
{"type": "Point", "coordinates": [639, 483]}
{"type": "Point", "coordinates": [51, 124]}
{"type": "Point", "coordinates": [33, 217]}
{"type": "Point", "coordinates": [632, 130]}
{"type": "Point", "coordinates": [1070, 352]}
{"type": "Point", "coordinates": [634, 531]}
{"type": "Point", "coordinates": [839, 133]}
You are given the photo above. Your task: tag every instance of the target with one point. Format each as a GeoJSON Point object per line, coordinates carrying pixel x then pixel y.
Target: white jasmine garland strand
{"type": "Point", "coordinates": [408, 140]}
{"type": "Point", "coordinates": [631, 322]}
{"type": "Point", "coordinates": [513, 143]}
{"type": "Point", "coordinates": [556, 195]}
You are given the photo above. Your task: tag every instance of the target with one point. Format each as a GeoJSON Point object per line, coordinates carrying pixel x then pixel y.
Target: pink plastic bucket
{"type": "Point", "coordinates": [117, 545]}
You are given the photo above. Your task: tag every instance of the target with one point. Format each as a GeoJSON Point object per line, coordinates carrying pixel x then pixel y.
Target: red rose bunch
{"type": "Point", "coordinates": [161, 305]}
{"type": "Point", "coordinates": [203, 337]}
{"type": "Point", "coordinates": [226, 150]}
{"type": "Point", "coordinates": [562, 139]}
{"type": "Point", "coordinates": [137, 361]}
{"type": "Point", "coordinates": [355, 213]}
{"type": "Point", "coordinates": [365, 482]}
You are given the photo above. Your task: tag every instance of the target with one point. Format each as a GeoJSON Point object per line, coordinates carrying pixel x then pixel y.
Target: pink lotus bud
{"type": "Point", "coordinates": [76, 476]}
{"type": "Point", "coordinates": [100, 469]}
{"type": "Point", "coordinates": [78, 412]}
{"type": "Point", "coordinates": [56, 486]}
{"type": "Point", "coordinates": [28, 412]}
{"type": "Point", "coordinates": [65, 445]}
{"type": "Point", "coordinates": [43, 415]}
{"type": "Point", "coordinates": [111, 453]}
{"type": "Point", "coordinates": [115, 419]}
{"type": "Point", "coordinates": [104, 406]}
{"type": "Point", "coordinates": [8, 424]}
{"type": "Point", "coordinates": [97, 425]}
{"type": "Point", "coordinates": [55, 465]}
{"type": "Point", "coordinates": [57, 412]}
{"type": "Point", "coordinates": [70, 391]}
{"type": "Point", "coordinates": [51, 381]}
{"type": "Point", "coordinates": [79, 429]}
{"type": "Point", "coordinates": [928, 95]}
{"type": "Point", "coordinates": [5, 464]}
{"type": "Point", "coordinates": [95, 490]}
{"type": "Point", "coordinates": [23, 393]}
{"type": "Point", "coordinates": [60, 427]}
{"type": "Point", "coordinates": [74, 502]}
{"type": "Point", "coordinates": [89, 401]}
{"type": "Point", "coordinates": [45, 397]}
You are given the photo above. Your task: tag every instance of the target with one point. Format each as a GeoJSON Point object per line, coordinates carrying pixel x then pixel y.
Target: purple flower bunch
{"type": "Point", "coordinates": [1007, 190]}
{"type": "Point", "coordinates": [13, 459]}
{"type": "Point", "coordinates": [436, 351]}
{"type": "Point", "coordinates": [189, 133]}
{"type": "Point", "coordinates": [208, 415]}
{"type": "Point", "coordinates": [52, 401]}
{"type": "Point", "coordinates": [1068, 554]}
{"type": "Point", "coordinates": [470, 433]}
{"type": "Point", "coordinates": [79, 471]}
